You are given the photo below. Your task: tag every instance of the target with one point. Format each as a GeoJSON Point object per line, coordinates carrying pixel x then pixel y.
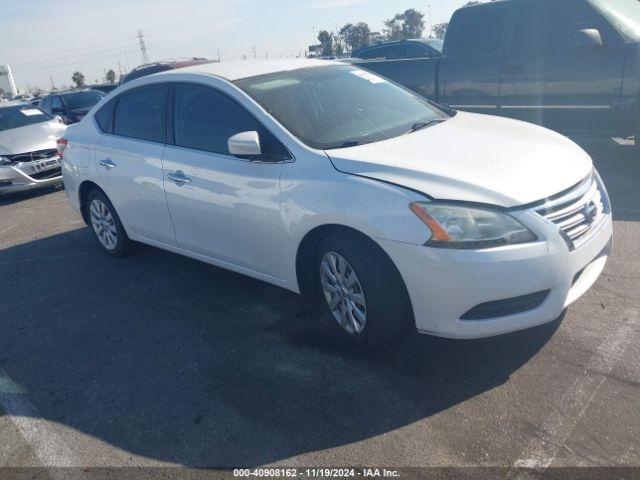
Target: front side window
{"type": "Point", "coordinates": [205, 119]}
{"type": "Point", "coordinates": [339, 106]}
{"type": "Point", "coordinates": [551, 25]}
{"type": "Point", "coordinates": [21, 116]}
{"type": "Point", "coordinates": [140, 114]}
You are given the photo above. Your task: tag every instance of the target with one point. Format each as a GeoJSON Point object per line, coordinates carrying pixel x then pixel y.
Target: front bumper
{"type": "Point", "coordinates": [14, 180]}
{"type": "Point", "coordinates": [444, 285]}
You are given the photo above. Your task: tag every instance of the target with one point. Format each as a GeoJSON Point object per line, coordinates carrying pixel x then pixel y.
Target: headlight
{"type": "Point", "coordinates": [5, 161]}
{"type": "Point", "coordinates": [454, 226]}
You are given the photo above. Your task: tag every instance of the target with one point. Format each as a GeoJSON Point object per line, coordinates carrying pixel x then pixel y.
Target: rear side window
{"type": "Point", "coordinates": [390, 52]}
{"type": "Point", "coordinates": [104, 117]}
{"type": "Point", "coordinates": [549, 25]}
{"type": "Point", "coordinates": [477, 31]}
{"type": "Point", "coordinates": [413, 50]}
{"type": "Point", "coordinates": [140, 114]}
{"type": "Point", "coordinates": [46, 104]}
{"type": "Point", "coordinates": [56, 105]}
{"type": "Point", "coordinates": [205, 119]}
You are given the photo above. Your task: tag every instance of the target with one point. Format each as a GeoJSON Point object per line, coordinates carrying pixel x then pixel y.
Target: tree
{"type": "Point", "coordinates": [326, 40]}
{"type": "Point", "coordinates": [440, 30]}
{"type": "Point", "coordinates": [403, 26]}
{"type": "Point", "coordinates": [111, 76]}
{"type": "Point", "coordinates": [78, 79]}
{"type": "Point", "coordinates": [331, 44]}
{"type": "Point", "coordinates": [355, 36]}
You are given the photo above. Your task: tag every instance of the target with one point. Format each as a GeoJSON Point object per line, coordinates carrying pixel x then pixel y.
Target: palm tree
{"type": "Point", "coordinates": [78, 79]}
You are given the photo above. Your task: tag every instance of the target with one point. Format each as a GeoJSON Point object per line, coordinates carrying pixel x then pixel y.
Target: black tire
{"type": "Point", "coordinates": [389, 314]}
{"type": "Point", "coordinates": [122, 243]}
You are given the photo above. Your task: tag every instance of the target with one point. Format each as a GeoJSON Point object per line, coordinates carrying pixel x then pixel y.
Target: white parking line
{"type": "Point", "coordinates": [48, 447]}
{"type": "Point", "coordinates": [564, 418]}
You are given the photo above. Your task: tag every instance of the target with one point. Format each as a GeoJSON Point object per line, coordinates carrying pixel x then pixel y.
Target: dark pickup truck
{"type": "Point", "coordinates": [571, 65]}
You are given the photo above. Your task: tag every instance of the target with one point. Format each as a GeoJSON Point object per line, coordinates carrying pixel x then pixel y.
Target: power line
{"type": "Point", "coordinates": [143, 47]}
{"type": "Point", "coordinates": [54, 59]}
{"type": "Point", "coordinates": [60, 52]}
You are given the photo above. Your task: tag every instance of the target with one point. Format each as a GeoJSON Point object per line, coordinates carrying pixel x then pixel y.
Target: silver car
{"type": "Point", "coordinates": [28, 151]}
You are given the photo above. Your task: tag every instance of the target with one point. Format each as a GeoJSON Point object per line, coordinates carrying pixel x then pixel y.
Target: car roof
{"type": "Point", "coordinates": [236, 70]}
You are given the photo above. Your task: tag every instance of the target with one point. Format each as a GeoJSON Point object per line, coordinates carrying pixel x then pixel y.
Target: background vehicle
{"type": "Point", "coordinates": [71, 106]}
{"type": "Point", "coordinates": [105, 87]}
{"type": "Point", "coordinates": [573, 66]}
{"type": "Point", "coordinates": [162, 66]}
{"type": "Point", "coordinates": [324, 178]}
{"type": "Point", "coordinates": [28, 155]}
{"type": "Point", "coordinates": [418, 48]}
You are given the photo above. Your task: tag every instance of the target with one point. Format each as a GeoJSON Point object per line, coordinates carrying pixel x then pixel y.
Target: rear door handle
{"type": "Point", "coordinates": [179, 178]}
{"type": "Point", "coordinates": [108, 164]}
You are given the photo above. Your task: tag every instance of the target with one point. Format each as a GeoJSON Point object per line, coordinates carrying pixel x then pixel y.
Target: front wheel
{"type": "Point", "coordinates": [363, 291]}
{"type": "Point", "coordinates": [105, 224]}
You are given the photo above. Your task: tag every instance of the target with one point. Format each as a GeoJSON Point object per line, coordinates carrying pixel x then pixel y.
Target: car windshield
{"type": "Point", "coordinates": [623, 14]}
{"type": "Point", "coordinates": [21, 116]}
{"type": "Point", "coordinates": [82, 99]}
{"type": "Point", "coordinates": [340, 106]}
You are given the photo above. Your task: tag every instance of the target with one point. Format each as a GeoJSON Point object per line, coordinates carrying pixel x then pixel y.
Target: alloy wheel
{"type": "Point", "coordinates": [103, 224]}
{"type": "Point", "coordinates": [343, 292]}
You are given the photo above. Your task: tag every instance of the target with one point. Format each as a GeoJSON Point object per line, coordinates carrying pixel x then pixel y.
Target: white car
{"type": "Point", "coordinates": [322, 178]}
{"type": "Point", "coordinates": [28, 155]}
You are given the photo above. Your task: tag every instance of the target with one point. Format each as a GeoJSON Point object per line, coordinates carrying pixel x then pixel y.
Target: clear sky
{"type": "Point", "coordinates": [44, 37]}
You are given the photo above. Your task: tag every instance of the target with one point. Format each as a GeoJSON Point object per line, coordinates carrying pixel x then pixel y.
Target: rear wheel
{"type": "Point", "coordinates": [105, 224]}
{"type": "Point", "coordinates": [363, 291]}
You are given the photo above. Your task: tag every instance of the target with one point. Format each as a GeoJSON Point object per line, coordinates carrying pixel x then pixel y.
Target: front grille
{"type": "Point", "coordinates": [31, 156]}
{"type": "Point", "coordinates": [579, 211]}
{"type": "Point", "coordinates": [47, 174]}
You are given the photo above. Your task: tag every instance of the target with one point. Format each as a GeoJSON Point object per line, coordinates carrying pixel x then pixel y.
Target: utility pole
{"type": "Point", "coordinates": [218, 55]}
{"type": "Point", "coordinates": [253, 50]}
{"type": "Point", "coordinates": [143, 48]}
{"type": "Point", "coordinates": [430, 23]}
{"type": "Point", "coordinates": [53, 87]}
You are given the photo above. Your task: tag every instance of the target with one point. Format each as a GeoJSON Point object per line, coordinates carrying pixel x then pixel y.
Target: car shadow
{"type": "Point", "coordinates": [178, 361]}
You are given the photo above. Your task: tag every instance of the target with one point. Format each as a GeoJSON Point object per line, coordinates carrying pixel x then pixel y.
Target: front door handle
{"type": "Point", "coordinates": [108, 164]}
{"type": "Point", "coordinates": [179, 178]}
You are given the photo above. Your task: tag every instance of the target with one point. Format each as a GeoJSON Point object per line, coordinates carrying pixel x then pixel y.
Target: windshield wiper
{"type": "Point", "coordinates": [423, 125]}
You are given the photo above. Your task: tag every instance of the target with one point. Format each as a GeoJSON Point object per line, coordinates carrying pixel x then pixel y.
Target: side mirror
{"type": "Point", "coordinates": [245, 144]}
{"type": "Point", "coordinates": [589, 37]}
{"type": "Point", "coordinates": [58, 119]}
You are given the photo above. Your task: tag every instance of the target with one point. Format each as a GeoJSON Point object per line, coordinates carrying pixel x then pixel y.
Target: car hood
{"type": "Point", "coordinates": [473, 158]}
{"type": "Point", "coordinates": [30, 138]}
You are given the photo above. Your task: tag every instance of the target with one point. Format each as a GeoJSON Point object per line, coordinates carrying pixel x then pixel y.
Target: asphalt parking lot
{"type": "Point", "coordinates": [160, 360]}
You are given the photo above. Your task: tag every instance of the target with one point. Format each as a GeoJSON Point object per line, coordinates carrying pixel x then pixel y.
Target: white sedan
{"type": "Point", "coordinates": [325, 179]}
